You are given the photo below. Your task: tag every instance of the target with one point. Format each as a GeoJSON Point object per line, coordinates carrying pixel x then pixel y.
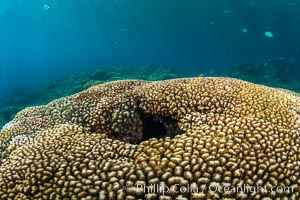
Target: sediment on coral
{"type": "Point", "coordinates": [111, 139]}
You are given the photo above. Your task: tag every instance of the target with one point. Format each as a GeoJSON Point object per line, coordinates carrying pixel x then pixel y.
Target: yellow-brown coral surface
{"type": "Point", "coordinates": [208, 133]}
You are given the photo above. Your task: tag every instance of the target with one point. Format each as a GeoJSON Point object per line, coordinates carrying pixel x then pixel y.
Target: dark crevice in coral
{"type": "Point", "coordinates": [155, 126]}
{"type": "Point", "coordinates": [152, 128]}
{"type": "Point", "coordinates": [132, 125]}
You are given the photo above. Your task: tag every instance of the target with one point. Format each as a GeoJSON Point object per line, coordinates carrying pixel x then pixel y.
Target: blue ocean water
{"type": "Point", "coordinates": [44, 39]}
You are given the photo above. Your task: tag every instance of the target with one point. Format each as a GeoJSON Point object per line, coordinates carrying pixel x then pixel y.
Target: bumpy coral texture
{"type": "Point", "coordinates": [85, 146]}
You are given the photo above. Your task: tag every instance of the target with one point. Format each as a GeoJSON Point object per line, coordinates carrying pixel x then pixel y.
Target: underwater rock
{"type": "Point", "coordinates": [102, 75]}
{"type": "Point", "coordinates": [280, 70]}
{"type": "Point", "coordinates": [226, 133]}
{"type": "Point", "coordinates": [7, 113]}
{"type": "Point", "coordinates": [275, 70]}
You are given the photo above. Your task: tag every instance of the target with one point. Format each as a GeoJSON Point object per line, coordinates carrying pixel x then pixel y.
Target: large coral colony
{"type": "Point", "coordinates": [111, 139]}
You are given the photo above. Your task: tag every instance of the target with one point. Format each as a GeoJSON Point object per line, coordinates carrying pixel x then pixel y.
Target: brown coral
{"type": "Point", "coordinates": [195, 136]}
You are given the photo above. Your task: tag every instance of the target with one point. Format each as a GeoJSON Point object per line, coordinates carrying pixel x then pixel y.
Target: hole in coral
{"type": "Point", "coordinates": [152, 128]}
{"type": "Point", "coordinates": [155, 126]}
{"type": "Point", "coordinates": [132, 125]}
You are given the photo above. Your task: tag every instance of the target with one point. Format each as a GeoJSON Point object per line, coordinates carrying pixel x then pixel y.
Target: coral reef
{"type": "Point", "coordinates": [275, 73]}
{"type": "Point", "coordinates": [75, 82]}
{"type": "Point", "coordinates": [276, 70]}
{"type": "Point", "coordinates": [107, 141]}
